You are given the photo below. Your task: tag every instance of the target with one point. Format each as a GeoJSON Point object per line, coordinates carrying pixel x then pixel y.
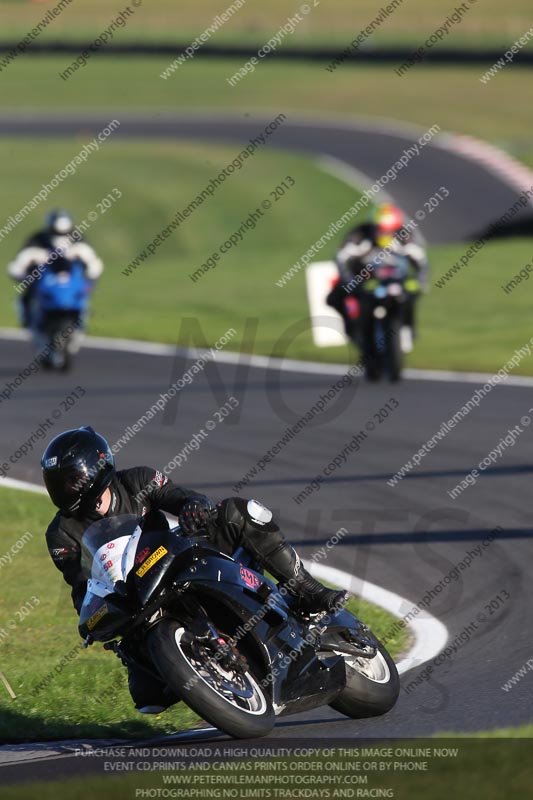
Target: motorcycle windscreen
{"type": "Point", "coordinates": [107, 548]}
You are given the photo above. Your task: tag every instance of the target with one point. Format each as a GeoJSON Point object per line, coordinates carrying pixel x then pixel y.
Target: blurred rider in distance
{"type": "Point", "coordinates": [59, 239]}
{"type": "Point", "coordinates": [384, 235]}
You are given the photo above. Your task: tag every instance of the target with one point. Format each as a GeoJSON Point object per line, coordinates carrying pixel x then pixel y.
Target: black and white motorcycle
{"type": "Point", "coordinates": [222, 636]}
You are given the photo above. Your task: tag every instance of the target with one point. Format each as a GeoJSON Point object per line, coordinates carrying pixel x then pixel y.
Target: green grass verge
{"type": "Point", "coordinates": [329, 21]}
{"type": "Point", "coordinates": [520, 732]}
{"type": "Point", "coordinates": [155, 182]}
{"type": "Point", "coordinates": [452, 97]}
{"type": "Point", "coordinates": [471, 323]}
{"type": "Point", "coordinates": [86, 695]}
{"type": "Point", "coordinates": [527, 158]}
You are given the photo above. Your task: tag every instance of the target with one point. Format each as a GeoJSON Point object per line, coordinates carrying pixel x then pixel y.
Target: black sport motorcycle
{"type": "Point", "coordinates": [381, 306]}
{"type": "Point", "coordinates": [222, 636]}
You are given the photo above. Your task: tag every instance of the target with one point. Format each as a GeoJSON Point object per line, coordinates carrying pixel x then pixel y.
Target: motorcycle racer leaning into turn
{"type": "Point", "coordinates": [384, 233]}
{"type": "Point", "coordinates": [80, 477]}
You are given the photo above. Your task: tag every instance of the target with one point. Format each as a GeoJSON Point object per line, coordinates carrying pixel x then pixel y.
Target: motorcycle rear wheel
{"type": "Point", "coordinates": [372, 685]}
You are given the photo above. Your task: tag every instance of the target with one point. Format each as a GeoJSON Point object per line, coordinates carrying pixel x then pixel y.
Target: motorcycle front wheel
{"type": "Point", "coordinates": [229, 697]}
{"type": "Point", "coordinates": [394, 355]}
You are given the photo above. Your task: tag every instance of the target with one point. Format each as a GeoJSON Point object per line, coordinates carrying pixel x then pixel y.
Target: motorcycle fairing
{"type": "Point", "coordinates": [302, 679]}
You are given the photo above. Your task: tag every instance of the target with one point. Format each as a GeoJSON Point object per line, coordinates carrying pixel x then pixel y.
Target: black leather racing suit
{"type": "Point", "coordinates": [146, 492]}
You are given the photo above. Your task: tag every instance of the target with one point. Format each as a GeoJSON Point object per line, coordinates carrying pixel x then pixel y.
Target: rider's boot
{"type": "Point", "coordinates": [286, 566]}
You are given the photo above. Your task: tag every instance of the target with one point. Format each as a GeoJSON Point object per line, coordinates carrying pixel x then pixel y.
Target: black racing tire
{"type": "Point", "coordinates": [372, 369]}
{"type": "Point", "coordinates": [394, 350]}
{"type": "Point", "coordinates": [167, 643]}
{"type": "Point", "coordinates": [67, 361]}
{"type": "Point", "coordinates": [64, 350]}
{"type": "Point", "coordinates": [366, 696]}
{"type": "Point", "coordinates": [371, 358]}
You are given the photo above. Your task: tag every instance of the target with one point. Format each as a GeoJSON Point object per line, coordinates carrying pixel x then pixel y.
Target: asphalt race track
{"type": "Point", "coordinates": [406, 538]}
{"type": "Point", "coordinates": [480, 197]}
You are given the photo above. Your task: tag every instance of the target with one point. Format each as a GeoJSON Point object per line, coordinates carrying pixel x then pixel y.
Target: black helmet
{"type": "Point", "coordinates": [59, 222]}
{"type": "Point", "coordinates": [78, 466]}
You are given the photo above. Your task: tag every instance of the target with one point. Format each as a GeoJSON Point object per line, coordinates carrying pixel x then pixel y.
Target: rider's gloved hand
{"type": "Point", "coordinates": [198, 512]}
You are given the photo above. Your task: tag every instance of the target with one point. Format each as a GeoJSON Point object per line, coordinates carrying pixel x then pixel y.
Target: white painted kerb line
{"type": "Point", "coordinates": [429, 633]}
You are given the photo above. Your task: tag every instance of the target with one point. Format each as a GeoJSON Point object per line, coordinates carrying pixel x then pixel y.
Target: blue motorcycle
{"type": "Point", "coordinates": [58, 309]}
